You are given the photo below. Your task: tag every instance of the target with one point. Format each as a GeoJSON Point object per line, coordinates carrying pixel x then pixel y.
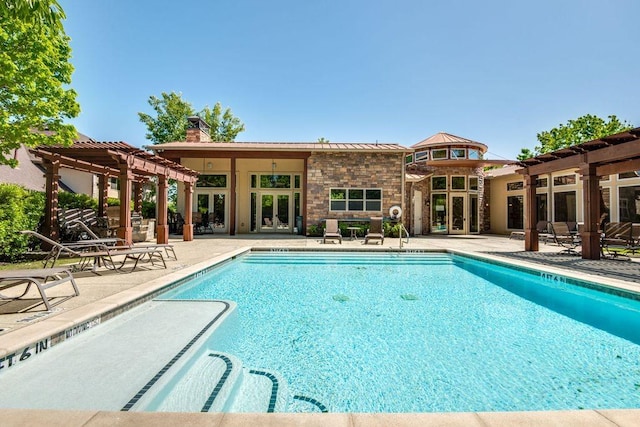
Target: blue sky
{"type": "Point", "coordinates": [497, 72]}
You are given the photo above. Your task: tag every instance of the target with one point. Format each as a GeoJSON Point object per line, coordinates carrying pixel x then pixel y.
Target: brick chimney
{"type": "Point", "coordinates": [197, 130]}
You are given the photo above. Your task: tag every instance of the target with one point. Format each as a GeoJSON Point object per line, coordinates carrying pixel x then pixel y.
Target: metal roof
{"type": "Point", "coordinates": [446, 139]}
{"type": "Point", "coordinates": [278, 146]}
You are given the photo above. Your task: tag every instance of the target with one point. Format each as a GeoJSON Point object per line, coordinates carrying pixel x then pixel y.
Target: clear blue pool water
{"type": "Point", "coordinates": [425, 332]}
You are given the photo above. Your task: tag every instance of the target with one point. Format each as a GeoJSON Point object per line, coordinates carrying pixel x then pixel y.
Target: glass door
{"type": "Point", "coordinates": [458, 217]}
{"type": "Point", "coordinates": [210, 212]}
{"type": "Point", "coordinates": [474, 214]}
{"type": "Point", "coordinates": [275, 212]}
{"type": "Point", "coordinates": [267, 210]}
{"type": "Point", "coordinates": [438, 213]}
{"type": "Point", "coordinates": [282, 222]}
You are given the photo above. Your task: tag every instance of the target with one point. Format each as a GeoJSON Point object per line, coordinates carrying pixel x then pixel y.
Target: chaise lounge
{"type": "Point", "coordinates": [43, 279]}
{"type": "Point", "coordinates": [97, 253]}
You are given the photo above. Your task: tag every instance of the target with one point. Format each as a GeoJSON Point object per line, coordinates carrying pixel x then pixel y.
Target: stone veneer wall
{"type": "Point", "coordinates": [326, 170]}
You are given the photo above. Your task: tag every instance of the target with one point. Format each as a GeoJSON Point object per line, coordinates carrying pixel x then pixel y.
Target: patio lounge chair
{"type": "Point", "coordinates": [96, 254]}
{"type": "Point", "coordinates": [375, 231]}
{"type": "Point", "coordinates": [168, 247]}
{"type": "Point", "coordinates": [617, 239]}
{"type": "Point", "coordinates": [331, 231]}
{"type": "Point", "coordinates": [43, 279]}
{"type": "Point", "coordinates": [563, 237]}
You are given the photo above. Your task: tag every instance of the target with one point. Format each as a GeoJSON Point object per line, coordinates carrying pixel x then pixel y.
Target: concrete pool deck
{"type": "Point", "coordinates": [113, 292]}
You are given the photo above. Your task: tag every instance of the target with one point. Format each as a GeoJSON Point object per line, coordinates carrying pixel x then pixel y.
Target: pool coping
{"type": "Point", "coordinates": [67, 325]}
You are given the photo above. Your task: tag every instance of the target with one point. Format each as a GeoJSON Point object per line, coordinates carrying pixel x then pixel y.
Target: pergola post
{"type": "Point", "coordinates": [187, 228]}
{"type": "Point", "coordinates": [233, 200]}
{"type": "Point", "coordinates": [162, 227]}
{"type": "Point", "coordinates": [125, 230]}
{"type": "Point", "coordinates": [50, 226]}
{"type": "Point", "coordinates": [137, 196]}
{"type": "Point", "coordinates": [531, 218]}
{"type": "Point", "coordinates": [103, 192]}
{"type": "Point", "coordinates": [591, 204]}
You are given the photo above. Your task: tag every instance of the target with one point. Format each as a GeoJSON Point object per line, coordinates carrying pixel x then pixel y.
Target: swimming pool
{"type": "Point", "coordinates": [354, 332]}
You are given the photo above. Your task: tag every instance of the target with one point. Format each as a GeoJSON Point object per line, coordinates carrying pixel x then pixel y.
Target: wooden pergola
{"type": "Point", "coordinates": [131, 165]}
{"type": "Point", "coordinates": [593, 159]}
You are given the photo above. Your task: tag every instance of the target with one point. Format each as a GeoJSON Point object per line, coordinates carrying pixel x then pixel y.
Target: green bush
{"type": "Point", "coordinates": [148, 209]}
{"type": "Point", "coordinates": [391, 230]}
{"type": "Point", "coordinates": [20, 209]}
{"type": "Point", "coordinates": [314, 230]}
{"type": "Point", "coordinates": [113, 201]}
{"type": "Point", "coordinates": [67, 200]}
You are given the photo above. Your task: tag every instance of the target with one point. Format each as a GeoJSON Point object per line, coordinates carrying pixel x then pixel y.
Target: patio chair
{"type": "Point", "coordinates": [96, 254]}
{"type": "Point", "coordinates": [168, 247]}
{"type": "Point", "coordinates": [562, 236]}
{"type": "Point", "coordinates": [375, 231]}
{"type": "Point", "coordinates": [43, 279]}
{"type": "Point", "coordinates": [617, 239]}
{"type": "Point", "coordinates": [331, 231]}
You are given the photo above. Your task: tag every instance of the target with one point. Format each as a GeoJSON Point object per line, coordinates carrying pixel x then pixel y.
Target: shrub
{"type": "Point", "coordinates": [67, 200]}
{"type": "Point", "coordinates": [20, 209]}
{"type": "Point", "coordinates": [148, 209]}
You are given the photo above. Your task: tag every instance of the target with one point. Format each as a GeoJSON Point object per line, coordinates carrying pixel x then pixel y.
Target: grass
{"type": "Point", "coordinates": [23, 265]}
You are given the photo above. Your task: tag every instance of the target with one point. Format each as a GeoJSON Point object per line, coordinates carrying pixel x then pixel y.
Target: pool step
{"type": "Point", "coordinates": [259, 391]}
{"type": "Point", "coordinates": [342, 258]}
{"type": "Point", "coordinates": [214, 381]}
{"type": "Point", "coordinates": [201, 386]}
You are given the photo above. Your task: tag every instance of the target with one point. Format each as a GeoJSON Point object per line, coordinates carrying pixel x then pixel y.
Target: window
{"type": "Point", "coordinates": [421, 156]}
{"type": "Point", "coordinates": [408, 159]}
{"type": "Point", "coordinates": [439, 154]}
{"type": "Point", "coordinates": [515, 212]}
{"type": "Point", "coordinates": [473, 183]}
{"type": "Point", "coordinates": [627, 175]}
{"type": "Point", "coordinates": [355, 199]}
{"type": "Point", "coordinates": [564, 180]}
{"type": "Point", "coordinates": [439, 183]}
{"type": "Point", "coordinates": [114, 183]}
{"type": "Point", "coordinates": [458, 153]}
{"type": "Point", "coordinates": [629, 203]}
{"type": "Point", "coordinates": [212, 181]}
{"type": "Point", "coordinates": [475, 155]}
{"type": "Point", "coordinates": [564, 206]}
{"type": "Point", "coordinates": [458, 182]}
{"type": "Point", "coordinates": [275, 181]}
{"type": "Point", "coordinates": [542, 182]}
{"type": "Point", "coordinates": [541, 205]}
{"type": "Point", "coordinates": [514, 186]}
{"type": "Point", "coordinates": [296, 181]}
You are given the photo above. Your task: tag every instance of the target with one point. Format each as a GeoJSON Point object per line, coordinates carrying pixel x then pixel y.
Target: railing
{"type": "Point", "coordinates": [406, 232]}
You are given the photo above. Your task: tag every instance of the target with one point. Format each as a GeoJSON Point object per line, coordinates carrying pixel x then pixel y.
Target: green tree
{"type": "Point", "coordinates": [34, 70]}
{"type": "Point", "coordinates": [525, 153]}
{"type": "Point", "coordinates": [582, 129]}
{"type": "Point", "coordinates": [321, 140]}
{"type": "Point", "coordinates": [46, 12]}
{"type": "Point", "coordinates": [224, 126]}
{"type": "Point", "coordinates": [170, 123]}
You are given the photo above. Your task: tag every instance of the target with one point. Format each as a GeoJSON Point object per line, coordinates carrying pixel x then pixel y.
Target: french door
{"type": "Point", "coordinates": [275, 212]}
{"type": "Point", "coordinates": [458, 214]}
{"type": "Point", "coordinates": [214, 204]}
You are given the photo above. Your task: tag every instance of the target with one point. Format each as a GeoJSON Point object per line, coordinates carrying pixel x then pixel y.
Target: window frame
{"type": "Point", "coordinates": [350, 202]}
